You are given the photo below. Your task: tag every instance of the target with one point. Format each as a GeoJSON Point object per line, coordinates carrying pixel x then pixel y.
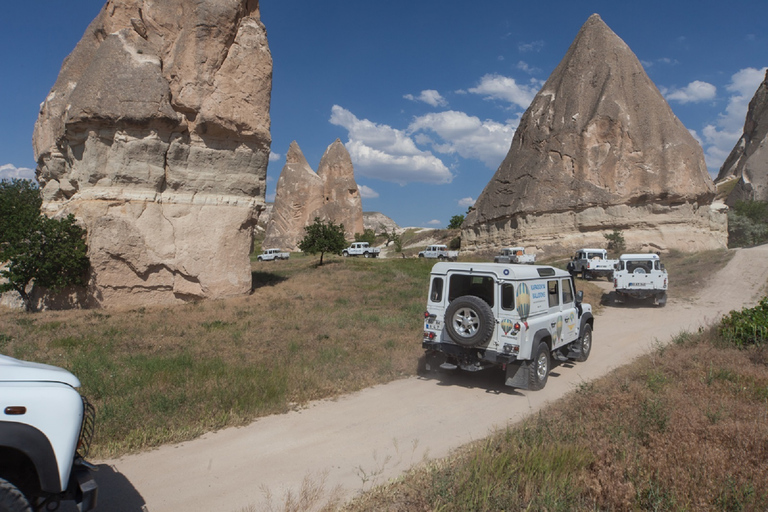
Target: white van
{"type": "Point", "coordinates": [481, 315]}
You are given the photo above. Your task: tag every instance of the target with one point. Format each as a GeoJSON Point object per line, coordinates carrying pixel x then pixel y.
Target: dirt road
{"type": "Point", "coordinates": [369, 437]}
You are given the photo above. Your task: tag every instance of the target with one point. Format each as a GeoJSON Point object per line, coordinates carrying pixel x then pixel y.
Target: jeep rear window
{"type": "Point", "coordinates": [479, 286]}
{"type": "Point", "coordinates": [436, 295]}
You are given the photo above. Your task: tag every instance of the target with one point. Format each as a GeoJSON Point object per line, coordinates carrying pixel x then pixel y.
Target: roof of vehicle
{"type": "Point", "coordinates": [641, 256]}
{"type": "Point", "coordinates": [15, 370]}
{"type": "Point", "coordinates": [501, 270]}
{"type": "Point", "coordinates": [592, 250]}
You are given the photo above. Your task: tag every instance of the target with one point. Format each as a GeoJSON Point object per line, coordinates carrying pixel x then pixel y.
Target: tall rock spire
{"type": "Point", "coordinates": [598, 148]}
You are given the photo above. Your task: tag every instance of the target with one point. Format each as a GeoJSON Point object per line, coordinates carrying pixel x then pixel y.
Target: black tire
{"type": "Point", "coordinates": [12, 499]}
{"type": "Point", "coordinates": [540, 366]}
{"type": "Point", "coordinates": [469, 321]}
{"type": "Point", "coordinates": [585, 344]}
{"type": "Point", "coordinates": [421, 255]}
{"type": "Point", "coordinates": [662, 300]}
{"type": "Point", "coordinates": [344, 253]}
{"type": "Point", "coordinates": [366, 254]}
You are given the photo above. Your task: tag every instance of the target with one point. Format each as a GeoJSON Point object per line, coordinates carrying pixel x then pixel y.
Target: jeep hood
{"type": "Point", "coordinates": [15, 370]}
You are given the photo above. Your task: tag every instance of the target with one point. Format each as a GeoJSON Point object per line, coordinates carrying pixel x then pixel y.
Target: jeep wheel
{"type": "Point", "coordinates": [366, 254]}
{"type": "Point", "coordinates": [344, 253]}
{"type": "Point", "coordinates": [585, 345]}
{"type": "Point", "coordinates": [12, 499]}
{"type": "Point", "coordinates": [539, 369]}
{"type": "Point", "coordinates": [469, 321]}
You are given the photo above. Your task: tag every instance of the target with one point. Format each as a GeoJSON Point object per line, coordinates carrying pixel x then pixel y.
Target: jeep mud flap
{"type": "Point", "coordinates": [517, 374]}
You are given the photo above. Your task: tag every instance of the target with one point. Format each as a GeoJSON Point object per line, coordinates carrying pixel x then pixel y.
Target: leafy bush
{"type": "Point", "coordinates": [748, 223]}
{"type": "Point", "coordinates": [323, 237]}
{"type": "Point", "coordinates": [456, 222]}
{"type": "Point", "coordinates": [455, 244]}
{"type": "Point", "coordinates": [368, 235]}
{"type": "Point", "coordinates": [615, 241]}
{"type": "Point", "coordinates": [746, 327]}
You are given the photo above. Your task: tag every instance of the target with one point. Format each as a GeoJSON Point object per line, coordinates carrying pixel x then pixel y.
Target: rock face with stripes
{"type": "Point", "coordinates": [156, 136]}
{"type": "Point", "coordinates": [598, 149]}
{"type": "Point", "coordinates": [331, 194]}
{"type": "Point", "coordinates": [748, 162]}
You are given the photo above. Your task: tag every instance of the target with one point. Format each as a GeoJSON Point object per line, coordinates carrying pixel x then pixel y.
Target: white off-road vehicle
{"type": "Point", "coordinates": [361, 249]}
{"type": "Point", "coordinates": [592, 263]}
{"type": "Point", "coordinates": [517, 317]}
{"type": "Point", "coordinates": [514, 255]}
{"type": "Point", "coordinates": [273, 254]}
{"type": "Point", "coordinates": [45, 433]}
{"type": "Point", "coordinates": [641, 276]}
{"type": "Point", "coordinates": [440, 252]}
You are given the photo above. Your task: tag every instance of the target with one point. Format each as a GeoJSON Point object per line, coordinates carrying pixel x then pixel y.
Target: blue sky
{"type": "Point", "coordinates": [426, 94]}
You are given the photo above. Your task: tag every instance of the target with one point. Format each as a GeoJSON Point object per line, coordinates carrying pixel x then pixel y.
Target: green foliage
{"type": "Point", "coordinates": [616, 242]}
{"type": "Point", "coordinates": [748, 223]}
{"type": "Point", "coordinates": [456, 222]}
{"type": "Point", "coordinates": [455, 243]}
{"type": "Point", "coordinates": [746, 327]}
{"type": "Point", "coordinates": [323, 237]}
{"type": "Point", "coordinates": [398, 243]}
{"type": "Point", "coordinates": [368, 235]}
{"type": "Point", "coordinates": [50, 252]}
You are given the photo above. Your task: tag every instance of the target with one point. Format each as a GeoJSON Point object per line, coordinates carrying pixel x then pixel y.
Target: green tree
{"type": "Point", "coordinates": [456, 222]}
{"type": "Point", "coordinates": [368, 235]}
{"type": "Point", "coordinates": [748, 223]}
{"type": "Point", "coordinates": [323, 237]}
{"type": "Point", "coordinates": [49, 252]}
{"type": "Point", "coordinates": [616, 242]}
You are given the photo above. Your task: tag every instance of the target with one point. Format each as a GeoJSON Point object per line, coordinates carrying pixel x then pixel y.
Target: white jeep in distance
{"type": "Point", "coordinates": [273, 255]}
{"type": "Point", "coordinates": [514, 255]}
{"type": "Point", "coordinates": [592, 263]}
{"type": "Point", "coordinates": [46, 429]}
{"type": "Point", "coordinates": [440, 252]}
{"type": "Point", "coordinates": [361, 249]}
{"type": "Point", "coordinates": [517, 317]}
{"type": "Point", "coordinates": [641, 276]}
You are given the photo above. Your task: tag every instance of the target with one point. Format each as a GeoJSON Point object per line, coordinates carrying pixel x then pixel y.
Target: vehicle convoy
{"type": "Point", "coordinates": [361, 249]}
{"type": "Point", "coordinates": [514, 255]}
{"type": "Point", "coordinates": [517, 317]}
{"type": "Point", "coordinates": [641, 276]}
{"type": "Point", "coordinates": [592, 263]}
{"type": "Point", "coordinates": [273, 254]}
{"type": "Point", "coordinates": [439, 251]}
{"type": "Point", "coordinates": [45, 433]}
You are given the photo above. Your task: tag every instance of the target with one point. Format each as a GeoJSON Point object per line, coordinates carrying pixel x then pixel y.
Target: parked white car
{"type": "Point", "coordinates": [361, 249]}
{"type": "Point", "coordinates": [273, 254]}
{"type": "Point", "coordinates": [45, 433]}
{"type": "Point", "coordinates": [592, 263]}
{"type": "Point", "coordinates": [482, 315]}
{"type": "Point", "coordinates": [514, 255]}
{"type": "Point", "coordinates": [440, 252]}
{"type": "Point", "coordinates": [641, 276]}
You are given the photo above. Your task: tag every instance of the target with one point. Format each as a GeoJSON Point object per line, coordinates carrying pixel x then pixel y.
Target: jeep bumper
{"type": "Point", "coordinates": [83, 489]}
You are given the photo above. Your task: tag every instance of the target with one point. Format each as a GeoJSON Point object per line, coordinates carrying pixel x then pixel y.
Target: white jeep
{"type": "Point", "coordinates": [514, 255]}
{"type": "Point", "coordinates": [592, 263]}
{"type": "Point", "coordinates": [641, 276]}
{"type": "Point", "coordinates": [361, 249]}
{"type": "Point", "coordinates": [273, 255]}
{"type": "Point", "coordinates": [45, 433]}
{"type": "Point", "coordinates": [517, 317]}
{"type": "Point", "coordinates": [440, 252]}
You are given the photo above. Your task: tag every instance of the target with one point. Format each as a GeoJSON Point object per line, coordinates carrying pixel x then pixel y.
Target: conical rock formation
{"type": "Point", "coordinates": [748, 161]}
{"type": "Point", "coordinates": [301, 195]}
{"type": "Point", "coordinates": [598, 149]}
{"type": "Point", "coordinates": [156, 137]}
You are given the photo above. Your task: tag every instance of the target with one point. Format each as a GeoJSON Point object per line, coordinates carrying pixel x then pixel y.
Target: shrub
{"type": "Point", "coordinates": [746, 327]}
{"type": "Point", "coordinates": [368, 235]}
{"type": "Point", "coordinates": [748, 223]}
{"type": "Point", "coordinates": [615, 241]}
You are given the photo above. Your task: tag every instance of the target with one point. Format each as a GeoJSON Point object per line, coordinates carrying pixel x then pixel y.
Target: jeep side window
{"type": "Point", "coordinates": [567, 291]}
{"type": "Point", "coordinates": [554, 298]}
{"type": "Point", "coordinates": [436, 295]}
{"type": "Point", "coordinates": [507, 296]}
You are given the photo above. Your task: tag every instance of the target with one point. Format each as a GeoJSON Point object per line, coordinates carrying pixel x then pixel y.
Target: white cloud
{"type": "Point", "coordinates": [694, 92]}
{"type": "Point", "coordinates": [274, 157]}
{"type": "Point", "coordinates": [534, 46]}
{"type": "Point", "coordinates": [720, 137]}
{"type": "Point", "coordinates": [434, 222]}
{"type": "Point", "coordinates": [467, 202]}
{"type": "Point", "coordinates": [367, 192]}
{"type": "Point", "coordinates": [430, 97]}
{"type": "Point", "coordinates": [467, 136]}
{"type": "Point", "coordinates": [385, 153]}
{"type": "Point", "coordinates": [9, 171]}
{"type": "Point", "coordinates": [498, 87]}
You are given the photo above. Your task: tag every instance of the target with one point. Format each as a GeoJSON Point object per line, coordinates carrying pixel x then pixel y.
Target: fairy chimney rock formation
{"type": "Point", "coordinates": [748, 161]}
{"type": "Point", "coordinates": [301, 195]}
{"type": "Point", "coordinates": [598, 148]}
{"type": "Point", "coordinates": [156, 137]}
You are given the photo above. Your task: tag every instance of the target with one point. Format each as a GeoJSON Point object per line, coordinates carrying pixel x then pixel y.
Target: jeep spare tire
{"type": "Point", "coordinates": [469, 321]}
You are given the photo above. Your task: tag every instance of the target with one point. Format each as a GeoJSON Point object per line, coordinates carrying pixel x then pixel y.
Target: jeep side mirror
{"type": "Point", "coordinates": [579, 296]}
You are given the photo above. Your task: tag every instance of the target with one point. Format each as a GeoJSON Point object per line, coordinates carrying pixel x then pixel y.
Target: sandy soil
{"type": "Point", "coordinates": [369, 437]}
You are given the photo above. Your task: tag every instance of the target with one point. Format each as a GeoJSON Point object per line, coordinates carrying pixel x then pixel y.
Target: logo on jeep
{"type": "Point", "coordinates": [523, 298]}
{"type": "Point", "coordinates": [506, 325]}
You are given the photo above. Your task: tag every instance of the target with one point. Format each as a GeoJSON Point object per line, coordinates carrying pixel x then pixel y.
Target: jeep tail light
{"type": "Point", "coordinates": [426, 314]}
{"type": "Point", "coordinates": [517, 326]}
{"type": "Point", "coordinates": [429, 336]}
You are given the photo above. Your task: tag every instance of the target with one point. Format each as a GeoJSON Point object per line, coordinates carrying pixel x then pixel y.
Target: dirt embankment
{"type": "Point", "coordinates": [368, 437]}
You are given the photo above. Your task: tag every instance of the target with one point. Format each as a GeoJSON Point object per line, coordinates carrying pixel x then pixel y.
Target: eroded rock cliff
{"type": "Point", "coordinates": [156, 135]}
{"type": "Point", "coordinates": [598, 148]}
